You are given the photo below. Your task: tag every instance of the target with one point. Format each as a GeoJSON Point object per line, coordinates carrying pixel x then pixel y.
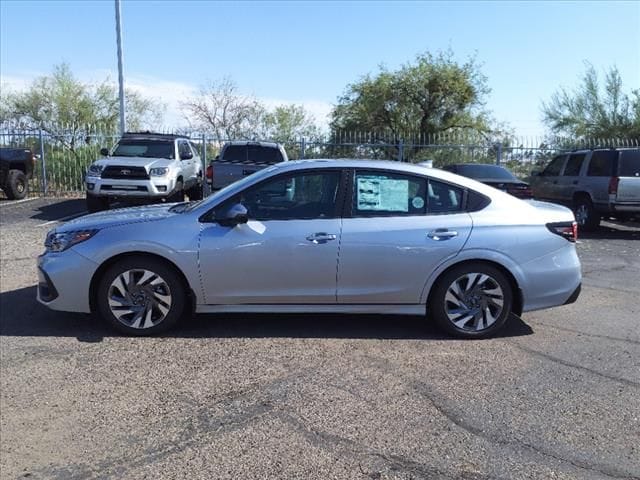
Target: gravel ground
{"type": "Point", "coordinates": [320, 396]}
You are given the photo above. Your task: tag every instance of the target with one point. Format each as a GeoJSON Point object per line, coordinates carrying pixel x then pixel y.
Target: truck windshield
{"type": "Point", "coordinates": [145, 148]}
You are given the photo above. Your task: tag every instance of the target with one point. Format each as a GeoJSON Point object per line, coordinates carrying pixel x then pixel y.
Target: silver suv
{"type": "Point", "coordinates": [145, 167]}
{"type": "Point", "coordinates": [595, 183]}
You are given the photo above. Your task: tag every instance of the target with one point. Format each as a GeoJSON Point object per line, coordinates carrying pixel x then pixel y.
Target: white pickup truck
{"type": "Point", "coordinates": [240, 158]}
{"type": "Point", "coordinates": [145, 167]}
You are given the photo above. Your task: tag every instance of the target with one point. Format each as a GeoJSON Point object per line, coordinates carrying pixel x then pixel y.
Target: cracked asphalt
{"type": "Point", "coordinates": [557, 396]}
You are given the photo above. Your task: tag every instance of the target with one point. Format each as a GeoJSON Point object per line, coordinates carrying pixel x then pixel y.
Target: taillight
{"type": "Point", "coordinates": [613, 185]}
{"type": "Point", "coordinates": [209, 172]}
{"type": "Point", "coordinates": [568, 230]}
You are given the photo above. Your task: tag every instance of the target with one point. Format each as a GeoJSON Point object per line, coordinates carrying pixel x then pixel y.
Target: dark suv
{"type": "Point", "coordinates": [595, 183]}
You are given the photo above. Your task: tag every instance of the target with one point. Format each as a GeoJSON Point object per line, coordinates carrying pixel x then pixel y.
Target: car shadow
{"type": "Point", "coordinates": [22, 315]}
{"type": "Point", "coordinates": [611, 231]}
{"type": "Point", "coordinates": [58, 210]}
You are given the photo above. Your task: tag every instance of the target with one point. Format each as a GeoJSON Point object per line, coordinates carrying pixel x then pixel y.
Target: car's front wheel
{"type": "Point", "coordinates": [17, 186]}
{"type": "Point", "coordinates": [141, 296]}
{"type": "Point", "coordinates": [472, 300]}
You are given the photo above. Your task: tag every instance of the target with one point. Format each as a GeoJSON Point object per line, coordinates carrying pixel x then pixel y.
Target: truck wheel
{"type": "Point", "coordinates": [97, 204]}
{"type": "Point", "coordinates": [195, 192]}
{"type": "Point", "coordinates": [17, 186]}
{"type": "Point", "coordinates": [178, 194]}
{"type": "Point", "coordinates": [586, 216]}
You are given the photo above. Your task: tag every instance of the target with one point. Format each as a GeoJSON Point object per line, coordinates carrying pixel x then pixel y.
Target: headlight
{"type": "Point", "coordinates": [58, 242]}
{"type": "Point", "coordinates": [94, 170]}
{"type": "Point", "coordinates": [158, 172]}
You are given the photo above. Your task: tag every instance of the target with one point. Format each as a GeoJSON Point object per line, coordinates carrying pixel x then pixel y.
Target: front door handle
{"type": "Point", "coordinates": [440, 234]}
{"type": "Point", "coordinates": [321, 237]}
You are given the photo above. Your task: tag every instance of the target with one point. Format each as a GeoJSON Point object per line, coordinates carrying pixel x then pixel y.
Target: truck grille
{"type": "Point", "coordinates": [123, 172]}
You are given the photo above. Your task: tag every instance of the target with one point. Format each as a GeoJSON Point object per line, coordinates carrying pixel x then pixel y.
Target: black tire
{"type": "Point", "coordinates": [97, 204]}
{"type": "Point", "coordinates": [17, 186]}
{"type": "Point", "coordinates": [178, 193]}
{"type": "Point", "coordinates": [476, 310]}
{"type": "Point", "coordinates": [144, 301]}
{"type": "Point", "coordinates": [195, 192]}
{"type": "Point", "coordinates": [586, 216]}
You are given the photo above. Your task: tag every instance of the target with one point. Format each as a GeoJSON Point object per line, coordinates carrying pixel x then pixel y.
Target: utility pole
{"type": "Point", "coordinates": [123, 124]}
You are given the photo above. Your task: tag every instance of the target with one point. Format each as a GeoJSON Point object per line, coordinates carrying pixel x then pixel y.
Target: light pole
{"type": "Point", "coordinates": [120, 69]}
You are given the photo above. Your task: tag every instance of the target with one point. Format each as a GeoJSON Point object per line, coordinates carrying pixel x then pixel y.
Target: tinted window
{"type": "Point", "coordinates": [629, 163]}
{"type": "Point", "coordinates": [183, 148]}
{"type": "Point", "coordinates": [144, 148]}
{"type": "Point", "coordinates": [301, 196]}
{"type": "Point", "coordinates": [443, 198]}
{"type": "Point", "coordinates": [602, 163]}
{"type": "Point", "coordinates": [235, 153]}
{"type": "Point", "coordinates": [377, 193]}
{"type": "Point", "coordinates": [268, 155]}
{"type": "Point", "coordinates": [485, 171]}
{"type": "Point", "coordinates": [553, 169]}
{"type": "Point", "coordinates": [572, 169]}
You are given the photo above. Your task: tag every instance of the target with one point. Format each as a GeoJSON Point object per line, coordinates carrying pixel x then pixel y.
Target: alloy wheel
{"type": "Point", "coordinates": [474, 301]}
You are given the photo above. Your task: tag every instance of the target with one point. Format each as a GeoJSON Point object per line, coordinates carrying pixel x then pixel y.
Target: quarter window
{"type": "Point", "coordinates": [602, 163]}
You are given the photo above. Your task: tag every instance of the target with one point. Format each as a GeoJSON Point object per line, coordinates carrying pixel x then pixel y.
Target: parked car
{"type": "Point", "coordinates": [595, 183]}
{"type": "Point", "coordinates": [145, 167]}
{"type": "Point", "coordinates": [494, 176]}
{"type": "Point", "coordinates": [240, 158]}
{"type": "Point", "coordinates": [351, 236]}
{"type": "Point", "coordinates": [16, 168]}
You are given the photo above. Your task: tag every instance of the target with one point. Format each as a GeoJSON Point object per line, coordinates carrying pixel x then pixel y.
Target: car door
{"type": "Point", "coordinates": [399, 229]}
{"type": "Point", "coordinates": [569, 181]}
{"type": "Point", "coordinates": [545, 185]}
{"type": "Point", "coordinates": [187, 161]}
{"type": "Point", "coordinates": [287, 253]}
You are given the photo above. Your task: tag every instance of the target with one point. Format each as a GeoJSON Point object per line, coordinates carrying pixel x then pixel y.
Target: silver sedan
{"type": "Point", "coordinates": [347, 236]}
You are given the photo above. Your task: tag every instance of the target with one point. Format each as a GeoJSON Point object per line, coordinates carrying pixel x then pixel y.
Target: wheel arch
{"type": "Point", "coordinates": [580, 194]}
{"type": "Point", "coordinates": [518, 296]}
{"type": "Point", "coordinates": [106, 264]}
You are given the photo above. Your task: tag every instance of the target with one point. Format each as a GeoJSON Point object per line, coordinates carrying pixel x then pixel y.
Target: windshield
{"type": "Point", "coordinates": [485, 171]}
{"type": "Point", "coordinates": [145, 148]}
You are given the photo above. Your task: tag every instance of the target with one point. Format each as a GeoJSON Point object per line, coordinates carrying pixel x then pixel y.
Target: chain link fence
{"type": "Point", "coordinates": [64, 154]}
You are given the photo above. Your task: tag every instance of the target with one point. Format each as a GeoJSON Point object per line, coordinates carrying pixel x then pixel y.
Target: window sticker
{"type": "Point", "coordinates": [382, 194]}
{"type": "Point", "coordinates": [417, 202]}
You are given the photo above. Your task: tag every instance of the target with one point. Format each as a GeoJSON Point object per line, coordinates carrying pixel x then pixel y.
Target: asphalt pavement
{"type": "Point", "coordinates": [556, 396]}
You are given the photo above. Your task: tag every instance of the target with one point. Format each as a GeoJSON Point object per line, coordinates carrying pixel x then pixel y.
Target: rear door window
{"type": "Point", "coordinates": [574, 164]}
{"type": "Point", "coordinates": [388, 194]}
{"type": "Point", "coordinates": [602, 163]}
{"type": "Point", "coordinates": [629, 163]}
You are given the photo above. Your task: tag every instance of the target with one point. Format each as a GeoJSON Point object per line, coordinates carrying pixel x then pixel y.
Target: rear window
{"type": "Point", "coordinates": [252, 154]}
{"type": "Point", "coordinates": [602, 163]}
{"type": "Point", "coordinates": [629, 163]}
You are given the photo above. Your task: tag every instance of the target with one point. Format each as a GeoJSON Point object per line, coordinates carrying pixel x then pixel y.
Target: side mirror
{"type": "Point", "coordinates": [104, 151]}
{"type": "Point", "coordinates": [186, 156]}
{"type": "Point", "coordinates": [234, 215]}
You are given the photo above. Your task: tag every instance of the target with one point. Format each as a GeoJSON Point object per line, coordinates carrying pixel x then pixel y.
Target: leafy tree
{"type": "Point", "coordinates": [433, 95]}
{"type": "Point", "coordinates": [289, 122]}
{"type": "Point", "coordinates": [594, 110]}
{"type": "Point", "coordinates": [65, 108]}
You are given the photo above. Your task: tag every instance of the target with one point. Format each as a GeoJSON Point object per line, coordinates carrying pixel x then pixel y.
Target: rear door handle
{"type": "Point", "coordinates": [440, 234]}
{"type": "Point", "coordinates": [321, 237]}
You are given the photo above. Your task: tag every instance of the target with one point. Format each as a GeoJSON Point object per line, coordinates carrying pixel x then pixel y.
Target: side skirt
{"type": "Point", "coordinates": [317, 308]}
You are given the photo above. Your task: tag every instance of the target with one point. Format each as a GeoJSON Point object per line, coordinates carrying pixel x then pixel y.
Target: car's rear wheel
{"type": "Point", "coordinates": [586, 216]}
{"type": "Point", "coordinates": [17, 185]}
{"type": "Point", "coordinates": [195, 192]}
{"type": "Point", "coordinates": [472, 300]}
{"type": "Point", "coordinates": [141, 296]}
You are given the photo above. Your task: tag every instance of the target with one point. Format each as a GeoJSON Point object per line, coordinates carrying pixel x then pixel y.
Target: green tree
{"type": "Point", "coordinates": [433, 95]}
{"type": "Point", "coordinates": [65, 107]}
{"type": "Point", "coordinates": [289, 122]}
{"type": "Point", "coordinates": [593, 109]}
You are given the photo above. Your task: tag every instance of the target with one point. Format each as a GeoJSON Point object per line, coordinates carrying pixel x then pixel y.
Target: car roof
{"type": "Point", "coordinates": [250, 142]}
{"type": "Point", "coordinates": [147, 135]}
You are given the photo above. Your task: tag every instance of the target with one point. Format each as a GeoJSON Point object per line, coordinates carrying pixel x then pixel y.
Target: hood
{"type": "Point", "coordinates": [135, 162]}
{"type": "Point", "coordinates": [121, 216]}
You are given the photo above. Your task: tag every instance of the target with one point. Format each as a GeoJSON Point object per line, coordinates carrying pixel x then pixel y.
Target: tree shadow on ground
{"type": "Point", "coordinates": [22, 315]}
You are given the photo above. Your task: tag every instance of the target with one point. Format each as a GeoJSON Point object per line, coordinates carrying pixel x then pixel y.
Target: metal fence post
{"type": "Point", "coordinates": [401, 151]}
{"type": "Point", "coordinates": [204, 162]}
{"type": "Point", "coordinates": [303, 145]}
{"type": "Point", "coordinates": [44, 164]}
{"type": "Point", "coordinates": [498, 153]}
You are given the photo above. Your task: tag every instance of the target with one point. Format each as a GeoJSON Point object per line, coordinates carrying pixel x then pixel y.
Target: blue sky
{"type": "Point", "coordinates": [307, 52]}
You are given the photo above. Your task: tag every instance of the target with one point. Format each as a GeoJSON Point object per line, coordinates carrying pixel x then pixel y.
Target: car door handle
{"type": "Point", "coordinates": [321, 237]}
{"type": "Point", "coordinates": [440, 234]}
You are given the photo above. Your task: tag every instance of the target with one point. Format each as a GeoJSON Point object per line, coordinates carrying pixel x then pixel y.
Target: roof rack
{"type": "Point", "coordinates": [148, 133]}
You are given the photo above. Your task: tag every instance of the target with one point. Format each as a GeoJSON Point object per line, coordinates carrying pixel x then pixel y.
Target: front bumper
{"type": "Point", "coordinates": [64, 279]}
{"type": "Point", "coordinates": [156, 187]}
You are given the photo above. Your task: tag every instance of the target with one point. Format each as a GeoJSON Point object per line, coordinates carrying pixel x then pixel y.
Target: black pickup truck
{"type": "Point", "coordinates": [16, 168]}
